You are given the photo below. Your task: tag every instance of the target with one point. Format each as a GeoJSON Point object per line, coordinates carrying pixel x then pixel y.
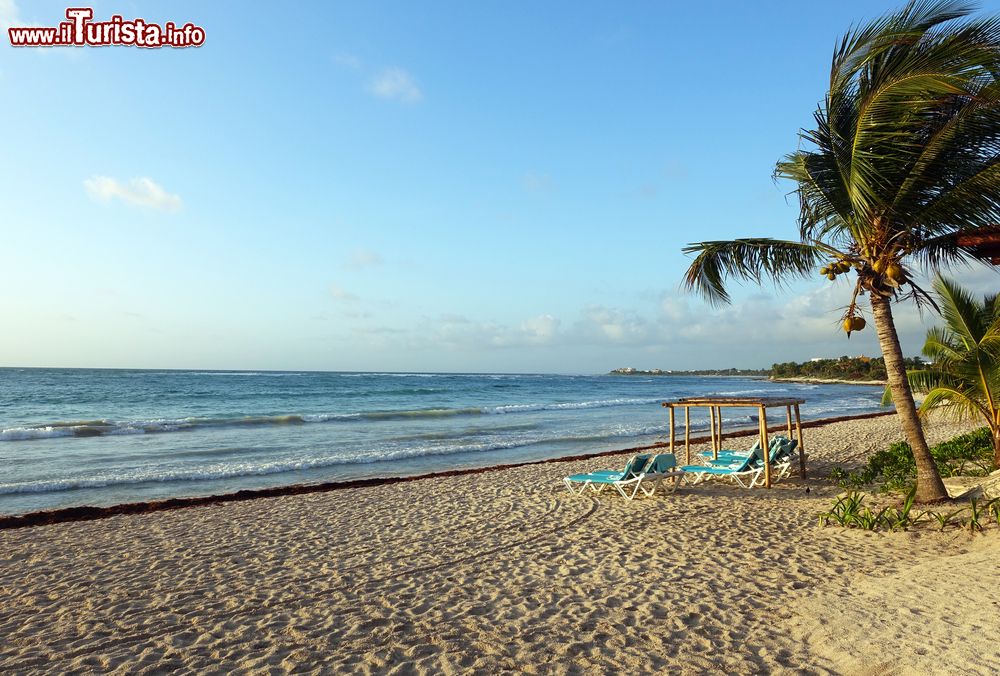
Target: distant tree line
{"type": "Point", "coordinates": [845, 368]}
{"type": "Point", "coordinates": [629, 371]}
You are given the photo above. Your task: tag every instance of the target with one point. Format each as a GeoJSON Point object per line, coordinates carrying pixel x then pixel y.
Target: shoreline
{"type": "Point", "coordinates": [827, 381]}
{"type": "Point", "coordinates": [92, 513]}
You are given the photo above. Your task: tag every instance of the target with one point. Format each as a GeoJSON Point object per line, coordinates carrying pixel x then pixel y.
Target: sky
{"type": "Point", "coordinates": [397, 186]}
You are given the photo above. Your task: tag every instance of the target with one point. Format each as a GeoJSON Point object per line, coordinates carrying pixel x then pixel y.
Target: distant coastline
{"type": "Point", "coordinates": [629, 371]}
{"type": "Point", "coordinates": [860, 370]}
{"type": "Point", "coordinates": [748, 373]}
{"type": "Point", "coordinates": [828, 381]}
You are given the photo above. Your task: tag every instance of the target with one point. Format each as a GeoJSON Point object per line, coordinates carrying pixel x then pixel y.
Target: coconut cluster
{"type": "Point", "coordinates": [854, 323]}
{"type": "Point", "coordinates": [892, 272]}
{"type": "Point", "coordinates": [836, 268]}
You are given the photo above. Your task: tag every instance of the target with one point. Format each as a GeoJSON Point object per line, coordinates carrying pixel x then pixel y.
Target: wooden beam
{"type": "Point", "coordinates": [764, 447]}
{"type": "Point", "coordinates": [671, 429]}
{"type": "Point", "coordinates": [788, 413]}
{"type": "Point", "coordinates": [802, 448]}
{"type": "Point", "coordinates": [687, 435]}
{"type": "Point", "coordinates": [715, 449]}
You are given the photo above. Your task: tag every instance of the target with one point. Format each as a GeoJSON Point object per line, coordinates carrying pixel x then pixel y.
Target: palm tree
{"type": "Point", "coordinates": [965, 375]}
{"type": "Point", "coordinates": [905, 155]}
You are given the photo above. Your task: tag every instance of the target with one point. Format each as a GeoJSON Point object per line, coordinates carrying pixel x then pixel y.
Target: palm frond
{"type": "Point", "coordinates": [960, 312]}
{"type": "Point", "coordinates": [939, 345]}
{"type": "Point", "coordinates": [957, 402]}
{"type": "Point", "coordinates": [752, 259]}
{"type": "Point", "coordinates": [908, 137]}
{"type": "Point", "coordinates": [942, 252]}
{"type": "Point", "coordinates": [965, 378]}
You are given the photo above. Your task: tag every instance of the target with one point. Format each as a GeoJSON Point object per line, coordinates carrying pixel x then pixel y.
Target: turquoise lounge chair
{"type": "Point", "coordinates": [662, 466]}
{"type": "Point", "coordinates": [782, 457]}
{"type": "Point", "coordinates": [779, 446]}
{"type": "Point", "coordinates": [598, 480]}
{"type": "Point", "coordinates": [781, 450]}
{"type": "Point", "coordinates": [746, 472]}
{"type": "Point", "coordinates": [728, 453]}
{"type": "Point", "coordinates": [640, 471]}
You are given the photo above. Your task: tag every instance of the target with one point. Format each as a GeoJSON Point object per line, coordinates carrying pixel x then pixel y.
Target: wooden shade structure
{"type": "Point", "coordinates": [715, 406]}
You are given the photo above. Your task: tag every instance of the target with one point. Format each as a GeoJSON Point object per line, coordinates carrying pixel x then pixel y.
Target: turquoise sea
{"type": "Point", "coordinates": [72, 437]}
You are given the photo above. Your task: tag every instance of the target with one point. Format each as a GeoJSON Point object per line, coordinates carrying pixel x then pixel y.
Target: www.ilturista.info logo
{"type": "Point", "coordinates": [80, 31]}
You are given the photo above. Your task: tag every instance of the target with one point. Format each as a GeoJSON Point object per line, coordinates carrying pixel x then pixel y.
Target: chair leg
{"type": "Point", "coordinates": [621, 491]}
{"type": "Point", "coordinates": [651, 491]}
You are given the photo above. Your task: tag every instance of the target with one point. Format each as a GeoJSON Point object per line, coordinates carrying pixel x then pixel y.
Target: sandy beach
{"type": "Point", "coordinates": [821, 381]}
{"type": "Point", "coordinates": [506, 571]}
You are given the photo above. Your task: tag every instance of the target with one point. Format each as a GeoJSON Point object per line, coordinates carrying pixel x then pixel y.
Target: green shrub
{"type": "Point", "coordinates": [894, 468]}
{"type": "Point", "coordinates": [970, 454]}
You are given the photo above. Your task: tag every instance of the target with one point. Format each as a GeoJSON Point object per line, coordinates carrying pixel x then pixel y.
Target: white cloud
{"type": "Point", "coordinates": [395, 84]}
{"type": "Point", "coordinates": [763, 329]}
{"type": "Point", "coordinates": [608, 326]}
{"type": "Point", "coordinates": [460, 332]}
{"type": "Point", "coordinates": [540, 330]}
{"type": "Point", "coordinates": [143, 192]}
{"type": "Point", "coordinates": [347, 61]}
{"type": "Point", "coordinates": [339, 294]}
{"type": "Point", "coordinates": [364, 258]}
{"type": "Point", "coordinates": [674, 330]}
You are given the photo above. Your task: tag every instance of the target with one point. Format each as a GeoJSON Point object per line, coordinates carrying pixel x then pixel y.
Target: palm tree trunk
{"type": "Point", "coordinates": [929, 485]}
{"type": "Point", "coordinates": [996, 448]}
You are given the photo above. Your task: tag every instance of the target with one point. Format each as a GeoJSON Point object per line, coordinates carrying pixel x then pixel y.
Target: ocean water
{"type": "Point", "coordinates": [72, 437]}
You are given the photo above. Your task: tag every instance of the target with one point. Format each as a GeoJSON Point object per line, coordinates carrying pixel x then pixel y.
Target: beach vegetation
{"type": "Point", "coordinates": [994, 508]}
{"type": "Point", "coordinates": [844, 511]}
{"type": "Point", "coordinates": [844, 368]}
{"type": "Point", "coordinates": [975, 521]}
{"type": "Point", "coordinates": [945, 518]}
{"type": "Point", "coordinates": [894, 469]}
{"type": "Point", "coordinates": [902, 161]}
{"type": "Point", "coordinates": [849, 511]}
{"type": "Point", "coordinates": [964, 378]}
{"type": "Point", "coordinates": [904, 517]}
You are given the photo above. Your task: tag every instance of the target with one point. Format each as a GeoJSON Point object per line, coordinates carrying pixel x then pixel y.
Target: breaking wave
{"type": "Point", "coordinates": [96, 428]}
{"type": "Point", "coordinates": [233, 468]}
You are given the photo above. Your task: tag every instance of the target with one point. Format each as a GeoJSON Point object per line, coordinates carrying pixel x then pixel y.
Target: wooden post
{"type": "Point", "coordinates": [764, 447]}
{"type": "Point", "coordinates": [718, 410]}
{"type": "Point", "coordinates": [802, 450]}
{"type": "Point", "coordinates": [788, 412]}
{"type": "Point", "coordinates": [715, 449]}
{"type": "Point", "coordinates": [671, 429]}
{"type": "Point", "coordinates": [687, 435]}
